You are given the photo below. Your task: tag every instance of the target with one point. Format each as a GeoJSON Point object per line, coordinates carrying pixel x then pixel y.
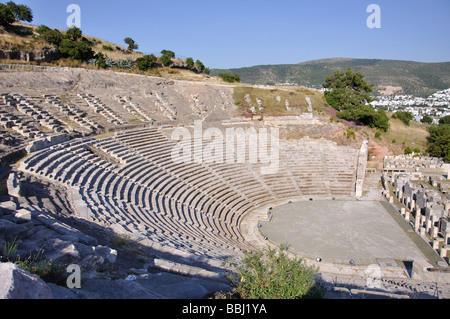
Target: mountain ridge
{"type": "Point", "coordinates": [415, 78]}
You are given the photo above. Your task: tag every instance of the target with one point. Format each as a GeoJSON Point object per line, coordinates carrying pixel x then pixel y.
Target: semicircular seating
{"type": "Point", "coordinates": [130, 180]}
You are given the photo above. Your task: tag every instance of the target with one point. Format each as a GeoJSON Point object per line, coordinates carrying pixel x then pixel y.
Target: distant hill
{"type": "Point", "coordinates": [419, 79]}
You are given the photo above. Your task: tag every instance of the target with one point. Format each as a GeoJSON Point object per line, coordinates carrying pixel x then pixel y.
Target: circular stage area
{"type": "Point", "coordinates": [340, 231]}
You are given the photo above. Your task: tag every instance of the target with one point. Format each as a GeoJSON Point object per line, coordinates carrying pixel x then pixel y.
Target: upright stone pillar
{"type": "Point", "coordinates": [407, 216]}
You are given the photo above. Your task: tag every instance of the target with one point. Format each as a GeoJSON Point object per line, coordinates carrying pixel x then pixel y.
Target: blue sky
{"type": "Point", "coordinates": [231, 34]}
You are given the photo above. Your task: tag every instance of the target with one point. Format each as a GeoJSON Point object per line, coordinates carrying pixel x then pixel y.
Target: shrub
{"type": "Point", "coordinates": [168, 53]}
{"type": "Point", "coordinates": [351, 133]}
{"type": "Point", "coordinates": [54, 36]}
{"type": "Point", "coordinates": [408, 151]}
{"type": "Point", "coordinates": [427, 119]}
{"type": "Point", "coordinates": [166, 60]}
{"type": "Point", "coordinates": [75, 50]}
{"type": "Point", "coordinates": [439, 141]}
{"type": "Point", "coordinates": [107, 48]}
{"type": "Point", "coordinates": [378, 135]}
{"type": "Point", "coordinates": [42, 28]}
{"type": "Point", "coordinates": [146, 62]}
{"type": "Point", "coordinates": [230, 78]}
{"type": "Point", "coordinates": [444, 120]}
{"type": "Point", "coordinates": [405, 117]}
{"type": "Point", "coordinates": [190, 63]}
{"type": "Point", "coordinates": [272, 274]}
{"type": "Point", "coordinates": [199, 66]}
{"type": "Point", "coordinates": [74, 33]}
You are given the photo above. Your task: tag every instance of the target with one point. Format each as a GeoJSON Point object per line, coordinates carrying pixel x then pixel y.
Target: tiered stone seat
{"type": "Point", "coordinates": [196, 207]}
{"type": "Point", "coordinates": [74, 113]}
{"type": "Point", "coordinates": [40, 115]}
{"type": "Point", "coordinates": [101, 108]}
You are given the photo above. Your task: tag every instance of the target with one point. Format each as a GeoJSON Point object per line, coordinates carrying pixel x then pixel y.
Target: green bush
{"type": "Point", "coordinates": [444, 120]}
{"type": "Point", "coordinates": [166, 60]}
{"type": "Point", "coordinates": [75, 50]}
{"type": "Point", "coordinates": [107, 48]}
{"type": "Point", "coordinates": [190, 63]}
{"type": "Point", "coordinates": [408, 151]}
{"type": "Point", "coordinates": [272, 274]}
{"type": "Point", "coordinates": [168, 53]}
{"type": "Point", "coordinates": [427, 119]}
{"type": "Point", "coordinates": [52, 36]}
{"type": "Point", "coordinates": [230, 78]}
{"type": "Point", "coordinates": [405, 117]}
{"type": "Point", "coordinates": [378, 135]}
{"type": "Point", "coordinates": [351, 133]}
{"type": "Point", "coordinates": [199, 66]}
{"type": "Point", "coordinates": [439, 141]}
{"type": "Point", "coordinates": [74, 33]}
{"type": "Point", "coordinates": [146, 62]}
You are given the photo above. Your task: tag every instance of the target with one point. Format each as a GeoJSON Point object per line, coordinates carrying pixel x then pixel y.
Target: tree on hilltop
{"type": "Point", "coordinates": [74, 33]}
{"type": "Point", "coordinates": [190, 63]}
{"type": "Point", "coordinates": [146, 62]}
{"type": "Point", "coordinates": [168, 53]}
{"type": "Point", "coordinates": [348, 93]}
{"type": "Point", "coordinates": [132, 45]}
{"type": "Point", "coordinates": [6, 15]}
{"type": "Point", "coordinates": [166, 60]}
{"type": "Point", "coordinates": [21, 12]}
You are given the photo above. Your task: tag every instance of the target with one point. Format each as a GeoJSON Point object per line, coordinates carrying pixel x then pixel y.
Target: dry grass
{"type": "Point", "coordinates": [400, 136]}
{"type": "Point", "coordinates": [268, 97]}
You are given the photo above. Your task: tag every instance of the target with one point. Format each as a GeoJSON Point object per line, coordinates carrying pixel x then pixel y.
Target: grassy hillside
{"type": "Point", "coordinates": [24, 37]}
{"type": "Point", "coordinates": [420, 79]}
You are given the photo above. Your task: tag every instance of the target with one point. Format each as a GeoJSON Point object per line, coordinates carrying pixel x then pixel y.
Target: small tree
{"type": "Point", "coordinates": [132, 45]}
{"type": "Point", "coordinates": [349, 94]}
{"type": "Point", "coordinates": [199, 66]}
{"type": "Point", "coordinates": [74, 33]}
{"type": "Point", "coordinates": [169, 53]}
{"type": "Point", "coordinates": [166, 60]}
{"type": "Point", "coordinates": [190, 63]}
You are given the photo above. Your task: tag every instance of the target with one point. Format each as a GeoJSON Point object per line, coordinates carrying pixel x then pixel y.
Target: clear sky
{"type": "Point", "coordinates": [232, 33]}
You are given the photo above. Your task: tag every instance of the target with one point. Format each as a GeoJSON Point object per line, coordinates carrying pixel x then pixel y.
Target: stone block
{"type": "Point", "coordinates": [16, 283]}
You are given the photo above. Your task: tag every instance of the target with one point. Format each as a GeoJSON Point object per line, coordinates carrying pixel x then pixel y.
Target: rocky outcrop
{"type": "Point", "coordinates": [16, 283]}
{"type": "Point", "coordinates": [37, 55]}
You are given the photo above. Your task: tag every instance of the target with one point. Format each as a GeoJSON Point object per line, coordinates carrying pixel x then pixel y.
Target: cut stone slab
{"type": "Point", "coordinates": [173, 286]}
